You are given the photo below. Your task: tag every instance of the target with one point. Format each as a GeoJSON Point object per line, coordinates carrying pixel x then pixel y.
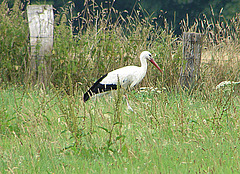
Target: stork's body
{"type": "Point", "coordinates": [127, 77]}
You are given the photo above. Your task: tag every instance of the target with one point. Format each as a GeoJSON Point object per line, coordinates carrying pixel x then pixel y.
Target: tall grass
{"type": "Point", "coordinates": [221, 52]}
{"type": "Point", "coordinates": [106, 39]}
{"type": "Point", "coordinates": [104, 44]}
{"type": "Point", "coordinates": [169, 132]}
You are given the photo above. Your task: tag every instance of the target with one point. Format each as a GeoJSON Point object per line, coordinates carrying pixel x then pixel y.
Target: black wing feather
{"type": "Point", "coordinates": [98, 88]}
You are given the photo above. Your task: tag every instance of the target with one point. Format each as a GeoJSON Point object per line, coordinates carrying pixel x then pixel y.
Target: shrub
{"type": "Point", "coordinates": [14, 44]}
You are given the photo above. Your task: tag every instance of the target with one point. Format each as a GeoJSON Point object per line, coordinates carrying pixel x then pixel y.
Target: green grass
{"type": "Point", "coordinates": [47, 131]}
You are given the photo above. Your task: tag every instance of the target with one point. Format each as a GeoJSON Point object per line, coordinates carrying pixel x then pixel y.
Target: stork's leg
{"type": "Point", "coordinates": [128, 105]}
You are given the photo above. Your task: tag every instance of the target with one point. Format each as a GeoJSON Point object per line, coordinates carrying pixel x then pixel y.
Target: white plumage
{"type": "Point", "coordinates": [128, 76]}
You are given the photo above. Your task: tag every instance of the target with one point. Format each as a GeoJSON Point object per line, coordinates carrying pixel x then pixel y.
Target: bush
{"type": "Point", "coordinates": [14, 44]}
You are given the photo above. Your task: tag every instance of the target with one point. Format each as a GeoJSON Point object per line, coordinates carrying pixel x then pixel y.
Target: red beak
{"type": "Point", "coordinates": [155, 64]}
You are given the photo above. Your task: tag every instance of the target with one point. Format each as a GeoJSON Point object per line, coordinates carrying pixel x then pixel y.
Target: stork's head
{"type": "Point", "coordinates": [147, 55]}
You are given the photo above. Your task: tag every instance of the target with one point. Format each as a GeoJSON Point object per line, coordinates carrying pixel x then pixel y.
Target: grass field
{"type": "Point", "coordinates": [48, 129]}
{"type": "Point", "coordinates": [51, 132]}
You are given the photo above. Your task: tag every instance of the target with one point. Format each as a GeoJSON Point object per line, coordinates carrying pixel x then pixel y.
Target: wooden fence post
{"type": "Point", "coordinates": [41, 20]}
{"type": "Point", "coordinates": [192, 44]}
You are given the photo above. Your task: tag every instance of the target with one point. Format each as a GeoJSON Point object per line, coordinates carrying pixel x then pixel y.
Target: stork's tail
{"type": "Point", "coordinates": [98, 88]}
{"type": "Point", "coordinates": [86, 96]}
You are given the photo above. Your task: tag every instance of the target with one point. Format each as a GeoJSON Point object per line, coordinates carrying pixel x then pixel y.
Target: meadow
{"type": "Point", "coordinates": [49, 129]}
{"type": "Point", "coordinates": [168, 133]}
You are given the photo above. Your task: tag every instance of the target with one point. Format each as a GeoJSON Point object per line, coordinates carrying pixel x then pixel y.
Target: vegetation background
{"type": "Point", "coordinates": [173, 10]}
{"type": "Point", "coordinates": [48, 128]}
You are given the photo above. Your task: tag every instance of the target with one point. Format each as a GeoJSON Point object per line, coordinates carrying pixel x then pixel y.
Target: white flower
{"type": "Point", "coordinates": [151, 89]}
{"type": "Point", "coordinates": [225, 83]}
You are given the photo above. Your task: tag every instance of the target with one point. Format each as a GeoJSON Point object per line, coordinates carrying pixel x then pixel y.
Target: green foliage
{"type": "Point", "coordinates": [13, 44]}
{"type": "Point", "coordinates": [106, 39]}
{"type": "Point", "coordinates": [75, 122]}
{"type": "Point", "coordinates": [44, 130]}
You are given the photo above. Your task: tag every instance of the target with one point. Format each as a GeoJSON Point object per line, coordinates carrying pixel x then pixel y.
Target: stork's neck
{"type": "Point", "coordinates": [143, 63]}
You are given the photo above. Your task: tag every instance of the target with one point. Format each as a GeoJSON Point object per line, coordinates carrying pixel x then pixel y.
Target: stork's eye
{"type": "Point", "coordinates": [149, 55]}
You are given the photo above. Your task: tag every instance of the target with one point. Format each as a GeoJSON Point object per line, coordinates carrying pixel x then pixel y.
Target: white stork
{"type": "Point", "coordinates": [127, 77]}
